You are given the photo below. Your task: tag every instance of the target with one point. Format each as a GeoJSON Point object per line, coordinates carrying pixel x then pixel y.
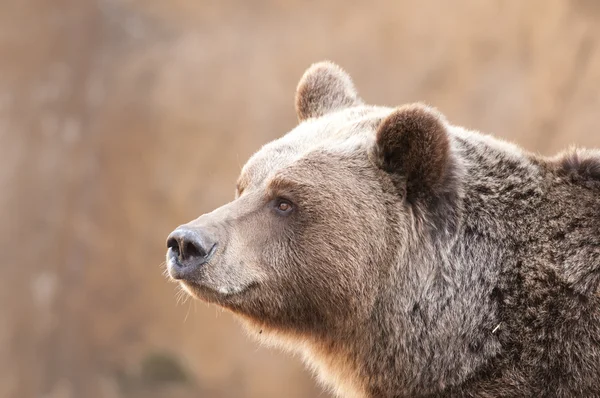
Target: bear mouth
{"type": "Point", "coordinates": [225, 297]}
{"type": "Point", "coordinates": [194, 281]}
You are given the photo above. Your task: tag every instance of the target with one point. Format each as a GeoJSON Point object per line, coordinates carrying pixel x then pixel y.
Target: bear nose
{"type": "Point", "coordinates": [192, 247]}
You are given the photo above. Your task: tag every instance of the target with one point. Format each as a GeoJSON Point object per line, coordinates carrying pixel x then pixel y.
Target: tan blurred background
{"type": "Point", "coordinates": [120, 119]}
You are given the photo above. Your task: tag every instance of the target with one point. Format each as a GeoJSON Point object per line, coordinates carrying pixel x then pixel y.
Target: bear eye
{"type": "Point", "coordinates": [283, 206]}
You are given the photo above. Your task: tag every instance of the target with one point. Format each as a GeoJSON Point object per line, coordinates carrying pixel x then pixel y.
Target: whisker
{"type": "Point", "coordinates": [180, 295]}
{"type": "Point", "coordinates": [187, 313]}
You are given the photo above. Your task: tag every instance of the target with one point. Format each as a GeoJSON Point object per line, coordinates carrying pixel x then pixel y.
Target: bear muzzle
{"type": "Point", "coordinates": [187, 251]}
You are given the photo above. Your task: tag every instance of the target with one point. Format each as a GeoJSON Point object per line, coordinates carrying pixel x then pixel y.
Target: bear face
{"type": "Point", "coordinates": [303, 246]}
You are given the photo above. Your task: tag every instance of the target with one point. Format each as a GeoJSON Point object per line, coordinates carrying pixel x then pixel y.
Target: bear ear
{"type": "Point", "coordinates": [324, 88]}
{"type": "Point", "coordinates": [412, 143]}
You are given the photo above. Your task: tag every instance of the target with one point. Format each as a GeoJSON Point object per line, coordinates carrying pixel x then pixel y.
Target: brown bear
{"type": "Point", "coordinates": [403, 256]}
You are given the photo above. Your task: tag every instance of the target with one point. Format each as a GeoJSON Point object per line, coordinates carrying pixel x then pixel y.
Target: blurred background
{"type": "Point", "coordinates": [121, 119]}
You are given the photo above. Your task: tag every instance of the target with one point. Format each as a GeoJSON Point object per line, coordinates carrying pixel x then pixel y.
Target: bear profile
{"type": "Point", "coordinates": [403, 256]}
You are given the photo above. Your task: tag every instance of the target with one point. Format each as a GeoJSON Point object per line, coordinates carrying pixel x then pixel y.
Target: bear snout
{"type": "Point", "coordinates": [188, 249]}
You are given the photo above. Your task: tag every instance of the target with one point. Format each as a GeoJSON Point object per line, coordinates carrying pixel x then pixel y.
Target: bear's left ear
{"type": "Point", "coordinates": [324, 88]}
{"type": "Point", "coordinates": [412, 143]}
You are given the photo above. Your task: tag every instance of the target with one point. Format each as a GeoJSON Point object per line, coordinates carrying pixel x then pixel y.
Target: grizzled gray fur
{"type": "Point", "coordinates": [403, 256]}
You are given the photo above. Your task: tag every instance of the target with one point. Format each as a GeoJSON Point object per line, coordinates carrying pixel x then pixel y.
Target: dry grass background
{"type": "Point", "coordinates": [120, 119]}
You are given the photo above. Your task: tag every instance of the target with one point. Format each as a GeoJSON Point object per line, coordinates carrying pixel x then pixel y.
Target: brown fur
{"type": "Point", "coordinates": [580, 165]}
{"type": "Point", "coordinates": [415, 258]}
{"type": "Point", "coordinates": [412, 142]}
{"type": "Point", "coordinates": [324, 88]}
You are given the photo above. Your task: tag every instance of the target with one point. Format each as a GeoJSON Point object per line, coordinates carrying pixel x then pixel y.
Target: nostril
{"type": "Point", "coordinates": [173, 245]}
{"type": "Point", "coordinates": [191, 249]}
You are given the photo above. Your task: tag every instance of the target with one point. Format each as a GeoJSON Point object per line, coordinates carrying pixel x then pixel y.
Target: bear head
{"type": "Point", "coordinates": [322, 214]}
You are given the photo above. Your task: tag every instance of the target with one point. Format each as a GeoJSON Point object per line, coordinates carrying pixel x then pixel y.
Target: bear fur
{"type": "Point", "coordinates": [403, 256]}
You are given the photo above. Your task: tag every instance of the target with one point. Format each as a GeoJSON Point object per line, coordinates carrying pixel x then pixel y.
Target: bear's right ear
{"type": "Point", "coordinates": [324, 88]}
{"type": "Point", "coordinates": [412, 144]}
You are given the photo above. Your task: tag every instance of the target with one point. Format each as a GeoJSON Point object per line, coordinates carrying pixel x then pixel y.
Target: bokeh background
{"type": "Point", "coordinates": [120, 119]}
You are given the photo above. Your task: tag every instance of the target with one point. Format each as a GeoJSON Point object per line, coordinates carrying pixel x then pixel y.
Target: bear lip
{"type": "Point", "coordinates": [210, 294]}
